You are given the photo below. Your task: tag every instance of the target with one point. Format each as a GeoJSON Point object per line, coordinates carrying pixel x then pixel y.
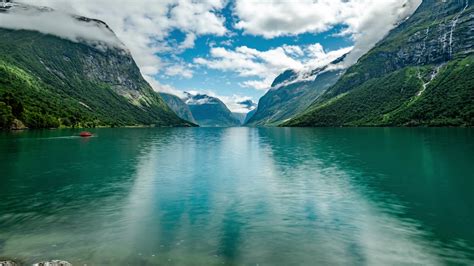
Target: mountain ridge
{"type": "Point", "coordinates": [418, 75]}
{"type": "Point", "coordinates": [85, 86]}
{"type": "Point", "coordinates": [292, 92]}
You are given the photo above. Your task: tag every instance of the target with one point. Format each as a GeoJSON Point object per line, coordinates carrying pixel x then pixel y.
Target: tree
{"type": "Point", "coordinates": [17, 107]}
{"type": "Point", "coordinates": [6, 117]}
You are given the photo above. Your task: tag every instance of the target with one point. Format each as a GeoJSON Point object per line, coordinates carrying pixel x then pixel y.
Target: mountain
{"type": "Point", "coordinates": [178, 106]}
{"type": "Point", "coordinates": [249, 116]}
{"type": "Point", "coordinates": [421, 74]}
{"type": "Point", "coordinates": [47, 81]}
{"type": "Point", "coordinates": [210, 112]}
{"type": "Point", "coordinates": [241, 117]}
{"type": "Point", "coordinates": [292, 92]}
{"type": "Point", "coordinates": [248, 107]}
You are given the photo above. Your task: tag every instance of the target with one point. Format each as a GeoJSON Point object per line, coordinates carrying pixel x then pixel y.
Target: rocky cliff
{"type": "Point", "coordinates": [59, 82]}
{"type": "Point", "coordinates": [178, 106]}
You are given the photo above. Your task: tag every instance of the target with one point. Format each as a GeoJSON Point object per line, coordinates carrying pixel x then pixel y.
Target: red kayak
{"type": "Point", "coordinates": [85, 134]}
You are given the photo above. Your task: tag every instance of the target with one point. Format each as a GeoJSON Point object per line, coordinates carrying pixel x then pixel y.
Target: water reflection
{"type": "Point", "coordinates": [239, 196]}
{"type": "Point", "coordinates": [62, 194]}
{"type": "Point", "coordinates": [391, 170]}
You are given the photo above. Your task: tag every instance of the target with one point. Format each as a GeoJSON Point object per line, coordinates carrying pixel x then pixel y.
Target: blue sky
{"type": "Point", "coordinates": [229, 83]}
{"type": "Point", "coordinates": [232, 49]}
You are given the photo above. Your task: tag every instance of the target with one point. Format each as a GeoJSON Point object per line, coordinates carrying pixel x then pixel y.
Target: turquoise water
{"type": "Point", "coordinates": [238, 196]}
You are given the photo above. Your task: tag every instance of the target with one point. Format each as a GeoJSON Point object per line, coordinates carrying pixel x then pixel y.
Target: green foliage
{"type": "Point", "coordinates": [16, 105]}
{"type": "Point", "coordinates": [51, 82]}
{"type": "Point", "coordinates": [447, 101]}
{"type": "Point", "coordinates": [366, 104]}
{"type": "Point", "coordinates": [395, 100]}
{"type": "Point", "coordinates": [287, 101]}
{"type": "Point", "coordinates": [37, 120]}
{"type": "Point", "coordinates": [6, 116]}
{"type": "Point", "coordinates": [397, 83]}
{"type": "Point", "coordinates": [32, 104]}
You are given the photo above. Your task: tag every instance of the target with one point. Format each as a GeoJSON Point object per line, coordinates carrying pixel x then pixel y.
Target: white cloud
{"type": "Point", "coordinates": [293, 50]}
{"type": "Point", "coordinates": [159, 87]}
{"type": "Point", "coordinates": [144, 25]}
{"type": "Point", "coordinates": [266, 65]}
{"type": "Point", "coordinates": [248, 62]}
{"type": "Point", "coordinates": [188, 41]}
{"type": "Point", "coordinates": [367, 21]}
{"type": "Point", "coordinates": [179, 69]}
{"type": "Point", "coordinates": [263, 84]}
{"type": "Point", "coordinates": [236, 103]}
{"type": "Point", "coordinates": [60, 24]}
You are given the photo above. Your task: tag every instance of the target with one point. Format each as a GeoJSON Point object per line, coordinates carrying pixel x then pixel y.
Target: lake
{"type": "Point", "coordinates": [209, 196]}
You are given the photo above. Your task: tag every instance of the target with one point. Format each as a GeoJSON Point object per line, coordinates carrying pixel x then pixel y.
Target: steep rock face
{"type": "Point", "coordinates": [64, 83]}
{"type": "Point", "coordinates": [210, 112]}
{"type": "Point", "coordinates": [249, 116]}
{"type": "Point", "coordinates": [289, 97]}
{"type": "Point", "coordinates": [178, 106]}
{"type": "Point", "coordinates": [419, 75]}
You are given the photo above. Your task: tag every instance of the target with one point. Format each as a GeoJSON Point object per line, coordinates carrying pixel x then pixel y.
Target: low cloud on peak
{"type": "Point", "coordinates": [64, 25]}
{"type": "Point", "coordinates": [231, 47]}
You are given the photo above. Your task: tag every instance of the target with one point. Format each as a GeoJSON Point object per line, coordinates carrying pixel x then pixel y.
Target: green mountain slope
{"type": "Point", "coordinates": [178, 106]}
{"type": "Point", "coordinates": [46, 81]}
{"type": "Point", "coordinates": [284, 101]}
{"type": "Point", "coordinates": [421, 74]}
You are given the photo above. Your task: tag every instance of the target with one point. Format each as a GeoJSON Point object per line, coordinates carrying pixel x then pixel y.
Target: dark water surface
{"type": "Point", "coordinates": [239, 196]}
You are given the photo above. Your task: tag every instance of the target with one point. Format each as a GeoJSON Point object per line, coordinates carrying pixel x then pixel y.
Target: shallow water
{"type": "Point", "coordinates": [238, 196]}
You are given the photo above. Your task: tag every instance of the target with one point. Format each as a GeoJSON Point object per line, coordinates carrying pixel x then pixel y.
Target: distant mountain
{"type": "Point", "coordinates": [241, 117]}
{"type": "Point", "coordinates": [210, 112]}
{"type": "Point", "coordinates": [46, 81]}
{"type": "Point", "coordinates": [249, 106]}
{"type": "Point", "coordinates": [421, 74]}
{"type": "Point", "coordinates": [178, 106]}
{"type": "Point", "coordinates": [249, 116]}
{"type": "Point", "coordinates": [292, 92]}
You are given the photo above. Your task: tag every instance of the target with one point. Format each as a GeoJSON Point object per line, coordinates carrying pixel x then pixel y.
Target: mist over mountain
{"type": "Point", "coordinates": [47, 81]}
{"type": "Point", "coordinates": [294, 91]}
{"type": "Point", "coordinates": [421, 74]}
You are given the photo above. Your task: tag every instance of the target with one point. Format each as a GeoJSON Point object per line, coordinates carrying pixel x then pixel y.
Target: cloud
{"type": "Point", "coordinates": [235, 103]}
{"type": "Point", "coordinates": [179, 69]}
{"type": "Point", "coordinates": [239, 104]}
{"type": "Point", "coordinates": [60, 24]}
{"type": "Point", "coordinates": [159, 87]}
{"type": "Point", "coordinates": [266, 65]}
{"type": "Point", "coordinates": [144, 26]}
{"type": "Point", "coordinates": [376, 21]}
{"type": "Point", "coordinates": [248, 104]}
{"type": "Point", "coordinates": [366, 21]}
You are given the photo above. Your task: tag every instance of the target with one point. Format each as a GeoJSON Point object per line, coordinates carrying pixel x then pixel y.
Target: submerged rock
{"type": "Point", "coordinates": [53, 263]}
{"type": "Point", "coordinates": [7, 263]}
